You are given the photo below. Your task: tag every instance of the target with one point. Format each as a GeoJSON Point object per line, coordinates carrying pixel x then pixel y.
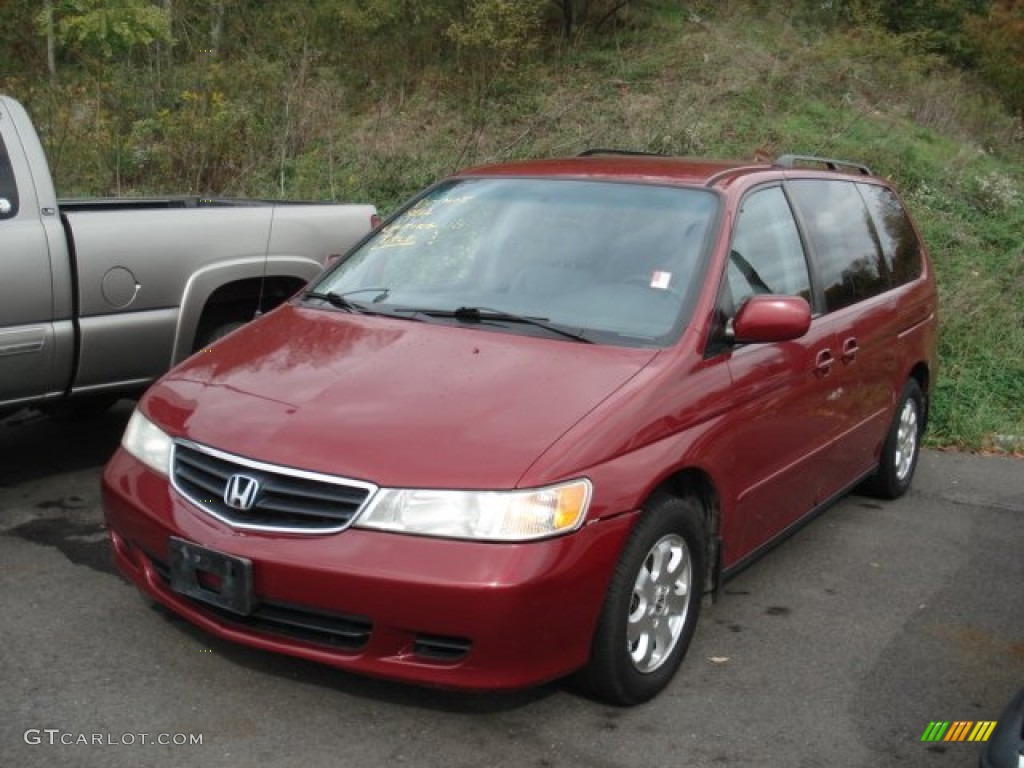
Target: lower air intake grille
{"type": "Point", "coordinates": [340, 631]}
{"type": "Point", "coordinates": [438, 648]}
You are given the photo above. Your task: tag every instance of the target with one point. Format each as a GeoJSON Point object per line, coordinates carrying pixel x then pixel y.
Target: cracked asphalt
{"type": "Point", "coordinates": [836, 649]}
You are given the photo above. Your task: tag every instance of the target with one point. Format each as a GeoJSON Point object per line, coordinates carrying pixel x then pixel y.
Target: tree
{"type": "Point", "coordinates": [575, 13]}
{"type": "Point", "coordinates": [20, 52]}
{"type": "Point", "coordinates": [999, 38]}
{"type": "Point", "coordinates": [941, 24]}
{"type": "Point", "coordinates": [499, 33]}
{"type": "Point", "coordinates": [105, 28]}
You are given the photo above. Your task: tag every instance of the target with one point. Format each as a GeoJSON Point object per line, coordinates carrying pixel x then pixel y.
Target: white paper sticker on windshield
{"type": "Point", "coordinates": [661, 279]}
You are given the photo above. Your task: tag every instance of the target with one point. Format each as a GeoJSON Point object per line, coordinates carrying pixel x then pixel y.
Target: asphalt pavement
{"type": "Point", "coordinates": [836, 649]}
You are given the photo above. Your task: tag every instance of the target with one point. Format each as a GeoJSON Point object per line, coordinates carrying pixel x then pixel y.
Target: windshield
{"type": "Point", "coordinates": [613, 262]}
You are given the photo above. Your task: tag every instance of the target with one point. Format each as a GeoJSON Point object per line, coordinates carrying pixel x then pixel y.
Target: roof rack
{"type": "Point", "coordinates": [631, 152]}
{"type": "Point", "coordinates": [791, 161]}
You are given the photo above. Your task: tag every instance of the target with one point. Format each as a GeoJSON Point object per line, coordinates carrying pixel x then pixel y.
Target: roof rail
{"type": "Point", "coordinates": [791, 161]}
{"type": "Point", "coordinates": [631, 152]}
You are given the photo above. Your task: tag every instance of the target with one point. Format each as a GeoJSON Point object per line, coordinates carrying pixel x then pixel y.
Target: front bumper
{"type": "Point", "coordinates": [455, 614]}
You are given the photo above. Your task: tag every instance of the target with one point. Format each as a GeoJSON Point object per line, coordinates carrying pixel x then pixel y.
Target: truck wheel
{"type": "Point", "coordinates": [652, 605]}
{"type": "Point", "coordinates": [902, 446]}
{"type": "Point", "coordinates": [208, 337]}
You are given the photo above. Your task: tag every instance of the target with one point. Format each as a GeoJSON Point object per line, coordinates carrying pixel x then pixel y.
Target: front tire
{"type": "Point", "coordinates": [652, 605]}
{"type": "Point", "coordinates": [902, 446]}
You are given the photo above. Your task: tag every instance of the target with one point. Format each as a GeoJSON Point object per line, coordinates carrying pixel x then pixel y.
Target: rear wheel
{"type": "Point", "coordinates": [218, 322]}
{"type": "Point", "coordinates": [220, 332]}
{"type": "Point", "coordinates": [652, 605]}
{"type": "Point", "coordinates": [902, 446]}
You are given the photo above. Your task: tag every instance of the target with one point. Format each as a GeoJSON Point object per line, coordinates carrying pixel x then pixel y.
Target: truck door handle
{"type": "Point", "coordinates": [850, 350]}
{"type": "Point", "coordinates": [823, 363]}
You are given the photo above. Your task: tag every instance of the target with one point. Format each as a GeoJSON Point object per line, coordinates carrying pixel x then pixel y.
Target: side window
{"type": "Point", "coordinates": [766, 254]}
{"type": "Point", "coordinates": [8, 190]}
{"type": "Point", "coordinates": [900, 247]}
{"type": "Point", "coordinates": [844, 241]}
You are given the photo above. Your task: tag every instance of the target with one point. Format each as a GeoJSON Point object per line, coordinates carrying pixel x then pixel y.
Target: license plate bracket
{"type": "Point", "coordinates": [216, 578]}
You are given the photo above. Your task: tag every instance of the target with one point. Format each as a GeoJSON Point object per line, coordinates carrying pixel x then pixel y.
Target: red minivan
{"type": "Point", "coordinates": [526, 425]}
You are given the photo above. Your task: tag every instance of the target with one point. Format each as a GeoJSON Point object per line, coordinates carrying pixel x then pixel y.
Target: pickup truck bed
{"type": "Point", "coordinates": [101, 296]}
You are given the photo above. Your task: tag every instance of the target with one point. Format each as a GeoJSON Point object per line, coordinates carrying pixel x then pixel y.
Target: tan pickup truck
{"type": "Point", "coordinates": [100, 297]}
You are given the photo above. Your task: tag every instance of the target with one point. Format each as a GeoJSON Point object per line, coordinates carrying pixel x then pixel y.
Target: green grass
{"type": "Point", "coordinates": [715, 83]}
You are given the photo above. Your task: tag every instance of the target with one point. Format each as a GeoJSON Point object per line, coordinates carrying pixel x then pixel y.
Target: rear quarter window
{"type": "Point", "coordinates": [901, 248]}
{"type": "Point", "coordinates": [844, 240]}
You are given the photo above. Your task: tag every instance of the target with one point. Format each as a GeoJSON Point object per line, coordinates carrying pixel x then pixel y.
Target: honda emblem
{"type": "Point", "coordinates": [241, 492]}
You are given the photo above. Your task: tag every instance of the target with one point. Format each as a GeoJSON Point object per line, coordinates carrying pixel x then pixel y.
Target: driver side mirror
{"type": "Point", "coordinates": [768, 318]}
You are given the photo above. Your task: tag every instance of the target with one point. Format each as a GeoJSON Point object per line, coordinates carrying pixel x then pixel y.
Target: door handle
{"type": "Point", "coordinates": [823, 363]}
{"type": "Point", "coordinates": [850, 350]}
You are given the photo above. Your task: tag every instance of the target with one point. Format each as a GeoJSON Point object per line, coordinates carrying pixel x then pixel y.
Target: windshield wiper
{"type": "Point", "coordinates": [341, 300]}
{"type": "Point", "coordinates": [382, 293]}
{"type": "Point", "coordinates": [335, 300]}
{"type": "Point", "coordinates": [489, 315]}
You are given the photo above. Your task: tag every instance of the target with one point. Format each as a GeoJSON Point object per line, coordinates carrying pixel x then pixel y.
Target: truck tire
{"type": "Point", "coordinates": [218, 332]}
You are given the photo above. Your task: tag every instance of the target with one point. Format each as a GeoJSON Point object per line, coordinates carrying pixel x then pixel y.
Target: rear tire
{"type": "Point", "coordinates": [221, 331]}
{"type": "Point", "coordinates": [902, 447]}
{"type": "Point", "coordinates": [216, 329]}
{"type": "Point", "coordinates": [652, 605]}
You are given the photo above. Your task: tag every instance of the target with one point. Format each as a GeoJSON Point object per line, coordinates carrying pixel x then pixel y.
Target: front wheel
{"type": "Point", "coordinates": [902, 446]}
{"type": "Point", "coordinates": [652, 605]}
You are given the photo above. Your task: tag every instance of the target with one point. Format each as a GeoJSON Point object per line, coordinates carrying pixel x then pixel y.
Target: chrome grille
{"type": "Point", "coordinates": [284, 499]}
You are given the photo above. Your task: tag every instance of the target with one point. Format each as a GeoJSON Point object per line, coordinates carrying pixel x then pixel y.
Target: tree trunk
{"type": "Point", "coordinates": [216, 28]}
{"type": "Point", "coordinates": [51, 42]}
{"type": "Point", "coordinates": [568, 16]}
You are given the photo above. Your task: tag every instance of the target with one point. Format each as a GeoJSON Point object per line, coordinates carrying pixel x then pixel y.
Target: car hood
{"type": "Point", "coordinates": [390, 401]}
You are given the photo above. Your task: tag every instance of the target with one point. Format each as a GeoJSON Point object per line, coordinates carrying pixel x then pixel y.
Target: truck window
{"type": "Point", "coordinates": [8, 190]}
{"type": "Point", "coordinates": [843, 239]}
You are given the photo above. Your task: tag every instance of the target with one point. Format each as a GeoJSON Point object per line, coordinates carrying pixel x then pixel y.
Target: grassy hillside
{"type": "Point", "coordinates": [727, 83]}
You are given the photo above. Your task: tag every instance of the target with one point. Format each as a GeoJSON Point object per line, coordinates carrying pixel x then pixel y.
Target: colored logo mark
{"type": "Point", "coordinates": [958, 730]}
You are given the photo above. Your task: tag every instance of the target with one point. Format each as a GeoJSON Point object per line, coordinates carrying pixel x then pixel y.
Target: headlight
{"type": "Point", "coordinates": [482, 515]}
{"type": "Point", "coordinates": [147, 443]}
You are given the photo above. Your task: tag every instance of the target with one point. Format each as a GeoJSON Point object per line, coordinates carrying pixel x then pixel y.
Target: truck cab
{"type": "Point", "coordinates": [36, 319]}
